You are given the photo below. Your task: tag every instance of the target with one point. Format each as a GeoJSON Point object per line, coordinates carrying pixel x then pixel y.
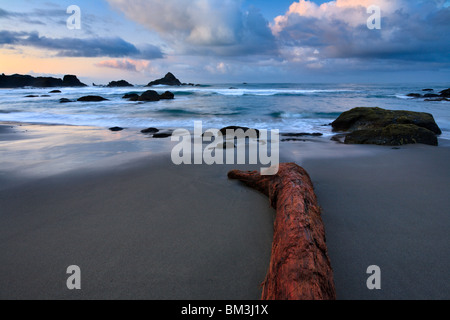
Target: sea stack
{"type": "Point", "coordinates": [168, 80]}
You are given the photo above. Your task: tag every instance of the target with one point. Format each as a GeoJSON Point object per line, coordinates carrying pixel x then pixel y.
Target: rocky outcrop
{"type": "Point", "coordinates": [168, 80]}
{"type": "Point", "coordinates": [120, 83]}
{"type": "Point", "coordinates": [72, 81]}
{"type": "Point", "coordinates": [150, 95]}
{"type": "Point", "coordinates": [91, 99]}
{"type": "Point", "coordinates": [368, 118]}
{"type": "Point", "coordinates": [445, 93]}
{"type": "Point", "coordinates": [387, 127]}
{"type": "Point", "coordinates": [19, 81]}
{"type": "Point", "coordinates": [300, 267]}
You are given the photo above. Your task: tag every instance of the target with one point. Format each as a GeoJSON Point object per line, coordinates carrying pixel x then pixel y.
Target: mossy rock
{"type": "Point", "coordinates": [393, 135]}
{"type": "Point", "coordinates": [377, 118]}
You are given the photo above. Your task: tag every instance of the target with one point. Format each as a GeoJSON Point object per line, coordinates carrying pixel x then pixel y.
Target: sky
{"type": "Point", "coordinates": [226, 41]}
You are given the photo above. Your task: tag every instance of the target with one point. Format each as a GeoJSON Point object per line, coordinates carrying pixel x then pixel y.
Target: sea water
{"type": "Point", "coordinates": [284, 107]}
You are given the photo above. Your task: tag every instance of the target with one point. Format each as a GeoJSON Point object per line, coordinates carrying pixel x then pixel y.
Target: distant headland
{"type": "Point", "coordinates": [20, 81]}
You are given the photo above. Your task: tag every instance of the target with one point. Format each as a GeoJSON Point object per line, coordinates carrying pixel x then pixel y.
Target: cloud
{"type": "Point", "coordinates": [125, 64]}
{"type": "Point", "coordinates": [416, 31]}
{"type": "Point", "coordinates": [34, 17]}
{"type": "Point", "coordinates": [215, 27]}
{"type": "Point", "coordinates": [86, 47]}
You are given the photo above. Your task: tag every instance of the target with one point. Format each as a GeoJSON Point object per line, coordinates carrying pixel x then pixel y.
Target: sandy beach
{"type": "Point", "coordinates": [140, 227]}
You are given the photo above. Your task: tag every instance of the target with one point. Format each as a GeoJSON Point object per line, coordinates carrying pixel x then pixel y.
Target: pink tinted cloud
{"type": "Point", "coordinates": [125, 64]}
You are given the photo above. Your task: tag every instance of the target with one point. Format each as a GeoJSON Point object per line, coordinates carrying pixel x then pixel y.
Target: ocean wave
{"type": "Point", "coordinates": [198, 112]}
{"type": "Point", "coordinates": [304, 115]}
{"type": "Point", "coordinates": [256, 92]}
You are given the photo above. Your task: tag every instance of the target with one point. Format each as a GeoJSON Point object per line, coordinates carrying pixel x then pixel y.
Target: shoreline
{"type": "Point", "coordinates": [142, 228]}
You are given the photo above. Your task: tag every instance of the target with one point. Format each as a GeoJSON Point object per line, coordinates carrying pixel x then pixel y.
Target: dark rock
{"type": "Point", "coordinates": [150, 130]}
{"type": "Point", "coordinates": [18, 81]}
{"type": "Point", "coordinates": [168, 80]}
{"type": "Point", "coordinates": [224, 130]}
{"type": "Point", "coordinates": [430, 95]}
{"type": "Point", "coordinates": [338, 138]}
{"type": "Point", "coordinates": [427, 90]}
{"type": "Point", "coordinates": [393, 135]}
{"type": "Point", "coordinates": [120, 83]}
{"type": "Point", "coordinates": [162, 135]}
{"type": "Point", "coordinates": [45, 96]}
{"type": "Point", "coordinates": [131, 96]}
{"type": "Point", "coordinates": [64, 100]}
{"type": "Point", "coordinates": [374, 118]}
{"type": "Point", "coordinates": [316, 134]}
{"type": "Point", "coordinates": [55, 91]}
{"type": "Point", "coordinates": [149, 95]}
{"type": "Point", "coordinates": [414, 95]}
{"type": "Point", "coordinates": [31, 96]}
{"type": "Point", "coordinates": [92, 99]}
{"type": "Point", "coordinates": [232, 88]}
{"type": "Point", "coordinates": [116, 129]}
{"type": "Point", "coordinates": [438, 99]}
{"type": "Point", "coordinates": [167, 96]}
{"type": "Point", "coordinates": [292, 139]}
{"type": "Point", "coordinates": [72, 81]}
{"type": "Point", "coordinates": [445, 93]}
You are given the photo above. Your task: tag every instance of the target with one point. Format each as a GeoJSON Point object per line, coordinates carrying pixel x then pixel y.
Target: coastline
{"type": "Point", "coordinates": [141, 227]}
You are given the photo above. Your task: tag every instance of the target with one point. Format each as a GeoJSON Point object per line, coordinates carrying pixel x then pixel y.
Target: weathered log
{"type": "Point", "coordinates": [299, 268]}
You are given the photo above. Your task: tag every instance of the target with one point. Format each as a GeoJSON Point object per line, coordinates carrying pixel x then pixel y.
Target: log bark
{"type": "Point", "coordinates": [300, 267]}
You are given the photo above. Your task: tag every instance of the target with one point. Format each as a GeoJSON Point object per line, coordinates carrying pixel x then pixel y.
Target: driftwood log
{"type": "Point", "coordinates": [299, 268]}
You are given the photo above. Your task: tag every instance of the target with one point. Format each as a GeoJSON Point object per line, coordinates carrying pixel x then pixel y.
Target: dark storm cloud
{"type": "Point", "coordinates": [74, 47]}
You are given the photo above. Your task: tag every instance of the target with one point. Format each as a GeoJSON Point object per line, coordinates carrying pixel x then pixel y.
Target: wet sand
{"type": "Point", "coordinates": [147, 229]}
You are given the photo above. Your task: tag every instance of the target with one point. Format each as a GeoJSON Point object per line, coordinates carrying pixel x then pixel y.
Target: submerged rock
{"type": "Point", "coordinates": [414, 95]}
{"type": "Point", "coordinates": [430, 95]}
{"type": "Point", "coordinates": [64, 100]}
{"type": "Point", "coordinates": [162, 135]}
{"type": "Point", "coordinates": [150, 130]}
{"type": "Point", "coordinates": [149, 95]}
{"type": "Point", "coordinates": [302, 134]}
{"type": "Point", "coordinates": [234, 128]}
{"type": "Point", "coordinates": [55, 91]}
{"type": "Point", "coordinates": [92, 99]}
{"type": "Point", "coordinates": [116, 129]}
{"type": "Point", "coordinates": [168, 80]}
{"type": "Point", "coordinates": [131, 96]}
{"type": "Point", "coordinates": [393, 135]}
{"type": "Point", "coordinates": [167, 96]}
